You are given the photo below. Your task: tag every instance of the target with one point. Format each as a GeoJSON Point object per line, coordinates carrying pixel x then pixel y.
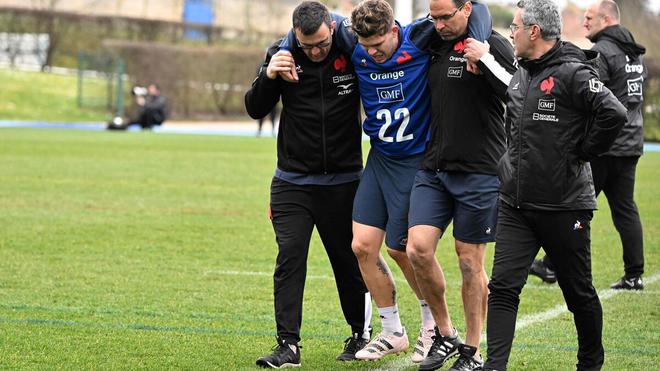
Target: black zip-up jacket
{"type": "Point", "coordinates": [559, 115]}
{"type": "Point", "coordinates": [623, 71]}
{"type": "Point", "coordinates": [319, 130]}
{"type": "Point", "coordinates": [467, 127]}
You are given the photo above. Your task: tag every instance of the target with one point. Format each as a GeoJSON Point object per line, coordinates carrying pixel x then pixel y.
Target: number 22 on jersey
{"type": "Point", "coordinates": [386, 115]}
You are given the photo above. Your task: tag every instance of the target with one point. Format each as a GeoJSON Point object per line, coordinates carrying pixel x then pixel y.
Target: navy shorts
{"type": "Point", "coordinates": [470, 199]}
{"type": "Point", "coordinates": [383, 196]}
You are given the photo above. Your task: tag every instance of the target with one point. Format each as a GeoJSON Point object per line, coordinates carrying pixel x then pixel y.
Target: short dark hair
{"type": "Point", "coordinates": [309, 15]}
{"type": "Point", "coordinates": [372, 17]}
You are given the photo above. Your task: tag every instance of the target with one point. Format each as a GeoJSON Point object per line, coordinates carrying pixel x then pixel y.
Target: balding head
{"type": "Point", "coordinates": [610, 9]}
{"type": "Point", "coordinates": [601, 14]}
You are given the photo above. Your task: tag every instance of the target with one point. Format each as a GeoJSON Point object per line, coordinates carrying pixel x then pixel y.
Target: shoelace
{"type": "Point", "coordinates": [439, 346]}
{"type": "Point", "coordinates": [465, 362]}
{"type": "Point", "coordinates": [281, 349]}
{"type": "Point", "coordinates": [351, 344]}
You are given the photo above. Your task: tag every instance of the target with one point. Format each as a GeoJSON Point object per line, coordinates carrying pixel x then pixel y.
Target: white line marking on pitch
{"type": "Point", "coordinates": [527, 320]}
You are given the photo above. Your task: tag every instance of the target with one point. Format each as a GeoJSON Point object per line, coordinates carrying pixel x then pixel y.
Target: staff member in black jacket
{"type": "Point", "coordinates": [559, 116]}
{"type": "Point", "coordinates": [622, 70]}
{"type": "Point", "coordinates": [319, 162]}
{"type": "Point", "coordinates": [458, 180]}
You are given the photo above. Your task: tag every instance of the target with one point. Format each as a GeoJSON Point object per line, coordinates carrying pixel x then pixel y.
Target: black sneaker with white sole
{"type": "Point", "coordinates": [539, 269]}
{"type": "Point", "coordinates": [466, 360]}
{"type": "Point", "coordinates": [632, 283]}
{"type": "Point", "coordinates": [284, 355]}
{"type": "Point", "coordinates": [443, 348]}
{"type": "Point", "coordinates": [351, 346]}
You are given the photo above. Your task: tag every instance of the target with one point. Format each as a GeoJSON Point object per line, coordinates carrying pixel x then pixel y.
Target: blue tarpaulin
{"type": "Point", "coordinates": [199, 12]}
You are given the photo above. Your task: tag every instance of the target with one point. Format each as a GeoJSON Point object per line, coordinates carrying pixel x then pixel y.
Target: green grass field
{"type": "Point", "coordinates": [40, 96]}
{"type": "Point", "coordinates": [153, 251]}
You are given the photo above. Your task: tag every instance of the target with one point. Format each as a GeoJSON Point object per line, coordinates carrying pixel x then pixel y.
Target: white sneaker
{"type": "Point", "coordinates": [383, 345]}
{"type": "Point", "coordinates": [424, 342]}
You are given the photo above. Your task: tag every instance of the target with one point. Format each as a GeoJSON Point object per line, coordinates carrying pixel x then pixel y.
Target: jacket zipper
{"type": "Point", "coordinates": [522, 115]}
{"type": "Point", "coordinates": [325, 160]}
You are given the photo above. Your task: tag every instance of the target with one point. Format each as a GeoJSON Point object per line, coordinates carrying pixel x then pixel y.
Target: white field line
{"type": "Point", "coordinates": [220, 272]}
{"type": "Point", "coordinates": [526, 321]}
{"type": "Point", "coordinates": [557, 311]}
{"type": "Point", "coordinates": [403, 361]}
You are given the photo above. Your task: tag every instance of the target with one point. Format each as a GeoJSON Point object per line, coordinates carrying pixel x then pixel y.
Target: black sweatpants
{"type": "Point", "coordinates": [296, 209]}
{"type": "Point", "coordinates": [616, 177]}
{"type": "Point", "coordinates": [565, 237]}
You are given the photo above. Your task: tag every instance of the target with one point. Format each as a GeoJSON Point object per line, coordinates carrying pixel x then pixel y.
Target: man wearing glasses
{"type": "Point", "coordinates": [559, 116]}
{"type": "Point", "coordinates": [319, 162]}
{"type": "Point", "coordinates": [391, 62]}
{"type": "Point", "coordinates": [623, 71]}
{"type": "Point", "coordinates": [458, 181]}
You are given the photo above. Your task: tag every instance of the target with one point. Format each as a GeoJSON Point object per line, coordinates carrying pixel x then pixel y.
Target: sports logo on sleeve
{"type": "Point", "coordinates": [595, 85]}
{"type": "Point", "coordinates": [405, 57]}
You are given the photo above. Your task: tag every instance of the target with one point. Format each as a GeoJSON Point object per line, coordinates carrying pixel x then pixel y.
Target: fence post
{"type": "Point", "coordinates": [81, 62]}
{"type": "Point", "coordinates": [120, 87]}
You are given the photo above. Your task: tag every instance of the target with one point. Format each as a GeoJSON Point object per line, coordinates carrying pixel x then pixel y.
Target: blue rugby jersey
{"type": "Point", "coordinates": [395, 94]}
{"type": "Point", "coordinates": [396, 98]}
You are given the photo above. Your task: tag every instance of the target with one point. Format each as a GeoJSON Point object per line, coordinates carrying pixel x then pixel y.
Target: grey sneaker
{"type": "Point", "coordinates": [443, 348]}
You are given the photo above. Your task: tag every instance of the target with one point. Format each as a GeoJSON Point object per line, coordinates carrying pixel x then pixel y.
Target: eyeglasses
{"type": "Point", "coordinates": [323, 44]}
{"type": "Point", "coordinates": [445, 18]}
{"type": "Point", "coordinates": [514, 27]}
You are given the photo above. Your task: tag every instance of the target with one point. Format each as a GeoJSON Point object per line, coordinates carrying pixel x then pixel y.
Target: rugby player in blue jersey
{"type": "Point", "coordinates": [391, 62]}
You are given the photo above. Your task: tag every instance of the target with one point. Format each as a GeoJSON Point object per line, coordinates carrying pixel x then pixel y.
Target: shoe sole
{"type": "Point", "coordinates": [437, 366]}
{"type": "Point", "coordinates": [543, 278]}
{"type": "Point", "coordinates": [286, 365]}
{"type": "Point", "coordinates": [381, 357]}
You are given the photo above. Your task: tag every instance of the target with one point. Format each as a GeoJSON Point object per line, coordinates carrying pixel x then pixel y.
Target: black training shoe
{"type": "Point", "coordinates": [443, 348]}
{"type": "Point", "coordinates": [542, 271]}
{"type": "Point", "coordinates": [633, 283]}
{"type": "Point", "coordinates": [351, 346]}
{"type": "Point", "coordinates": [284, 355]}
{"type": "Point", "coordinates": [466, 361]}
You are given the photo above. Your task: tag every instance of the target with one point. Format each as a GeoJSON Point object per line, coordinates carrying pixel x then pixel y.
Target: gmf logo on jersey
{"type": "Point", "coordinates": [455, 72]}
{"type": "Point", "coordinates": [635, 86]}
{"type": "Point", "coordinates": [299, 69]}
{"type": "Point", "coordinates": [340, 63]}
{"type": "Point", "coordinates": [390, 94]}
{"type": "Point", "coordinates": [546, 105]}
{"type": "Point", "coordinates": [405, 57]}
{"type": "Point", "coordinates": [547, 85]}
{"type": "Point", "coordinates": [459, 46]}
